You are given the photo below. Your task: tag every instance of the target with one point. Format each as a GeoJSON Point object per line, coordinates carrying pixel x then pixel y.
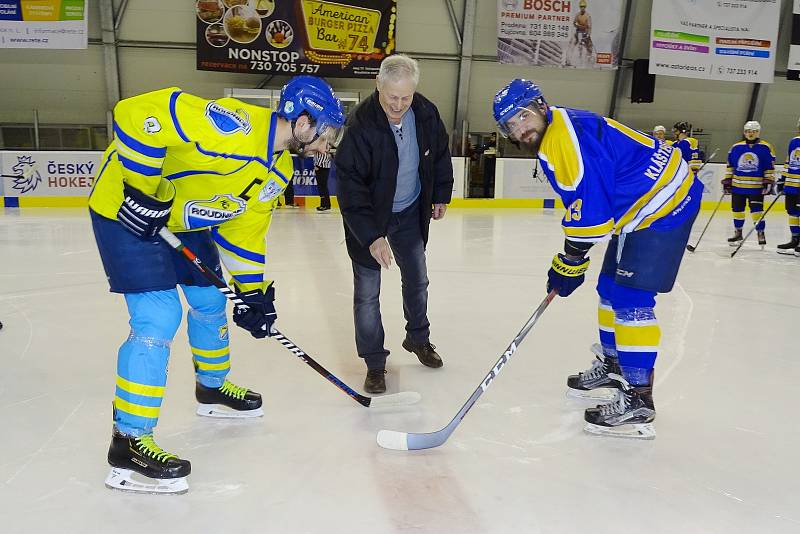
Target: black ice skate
{"type": "Point", "coordinates": [630, 415]}
{"type": "Point", "coordinates": [595, 383]}
{"type": "Point", "coordinates": [762, 240]}
{"type": "Point", "coordinates": [228, 401]}
{"type": "Point", "coordinates": [737, 236]}
{"type": "Point", "coordinates": [139, 465]}
{"type": "Point", "coordinates": [788, 248]}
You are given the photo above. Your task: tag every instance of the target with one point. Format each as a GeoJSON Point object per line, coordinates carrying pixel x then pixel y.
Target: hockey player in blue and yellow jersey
{"type": "Point", "coordinates": [748, 178]}
{"type": "Point", "coordinates": [211, 171]}
{"type": "Point", "coordinates": [619, 184]}
{"type": "Point", "coordinates": [690, 149]}
{"type": "Point", "coordinates": [789, 185]}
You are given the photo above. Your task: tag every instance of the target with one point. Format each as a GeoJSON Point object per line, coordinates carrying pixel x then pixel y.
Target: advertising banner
{"type": "Point", "coordinates": [715, 40]}
{"type": "Point", "coordinates": [582, 34]}
{"type": "Point", "coordinates": [49, 174]}
{"type": "Point", "coordinates": [344, 39]}
{"type": "Point", "coordinates": [793, 68]}
{"type": "Point", "coordinates": [59, 24]}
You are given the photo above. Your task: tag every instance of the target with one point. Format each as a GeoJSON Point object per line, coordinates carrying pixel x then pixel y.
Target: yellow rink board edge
{"type": "Point", "coordinates": [313, 202]}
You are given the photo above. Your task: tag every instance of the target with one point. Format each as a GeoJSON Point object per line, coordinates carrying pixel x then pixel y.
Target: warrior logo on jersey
{"type": "Point", "coordinates": [227, 122]}
{"type": "Point", "coordinates": [203, 213]}
{"type": "Point", "coordinates": [27, 176]}
{"type": "Point", "coordinates": [270, 191]}
{"type": "Point", "coordinates": [748, 162]}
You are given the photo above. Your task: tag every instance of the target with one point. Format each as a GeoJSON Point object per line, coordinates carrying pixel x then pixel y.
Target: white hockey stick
{"type": "Point", "coordinates": [411, 441]}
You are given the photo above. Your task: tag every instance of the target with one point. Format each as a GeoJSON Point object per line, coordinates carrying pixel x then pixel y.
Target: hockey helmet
{"type": "Point", "coordinates": [314, 97]}
{"type": "Point", "coordinates": [752, 126]}
{"type": "Point", "coordinates": [659, 128]}
{"type": "Point", "coordinates": [682, 127]}
{"type": "Point", "coordinates": [513, 98]}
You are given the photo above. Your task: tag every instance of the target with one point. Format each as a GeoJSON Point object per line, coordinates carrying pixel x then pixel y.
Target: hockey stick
{"type": "Point", "coordinates": [692, 248]}
{"type": "Point", "coordinates": [763, 215]}
{"type": "Point", "coordinates": [394, 399]}
{"type": "Point", "coordinates": [410, 441]}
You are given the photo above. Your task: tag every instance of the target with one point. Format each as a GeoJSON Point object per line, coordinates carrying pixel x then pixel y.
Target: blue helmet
{"type": "Point", "coordinates": [514, 96]}
{"type": "Point", "coordinates": [311, 95]}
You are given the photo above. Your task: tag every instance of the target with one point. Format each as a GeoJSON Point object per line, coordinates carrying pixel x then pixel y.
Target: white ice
{"type": "Point", "coordinates": [725, 459]}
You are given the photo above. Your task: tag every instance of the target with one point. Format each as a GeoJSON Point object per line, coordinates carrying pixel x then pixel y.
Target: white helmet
{"type": "Point", "coordinates": [752, 125]}
{"type": "Point", "coordinates": [659, 128]}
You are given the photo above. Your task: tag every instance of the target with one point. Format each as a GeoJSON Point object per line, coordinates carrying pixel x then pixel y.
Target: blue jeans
{"type": "Point", "coordinates": [405, 239]}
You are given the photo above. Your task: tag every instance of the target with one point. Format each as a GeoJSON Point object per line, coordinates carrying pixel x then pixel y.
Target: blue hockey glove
{"type": "Point", "coordinates": [144, 215]}
{"type": "Point", "coordinates": [768, 188]}
{"type": "Point", "coordinates": [727, 185]}
{"type": "Point", "coordinates": [566, 274]}
{"type": "Point", "coordinates": [260, 316]}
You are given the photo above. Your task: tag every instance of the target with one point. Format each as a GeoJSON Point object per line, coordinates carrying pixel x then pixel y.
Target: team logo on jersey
{"type": "Point", "coordinates": [271, 190]}
{"type": "Point", "coordinates": [227, 122]}
{"type": "Point", "coordinates": [748, 162]}
{"type": "Point", "coordinates": [223, 332]}
{"type": "Point", "coordinates": [202, 213]}
{"type": "Point", "coordinates": [26, 175]}
{"type": "Point", "coordinates": [794, 158]}
{"type": "Point", "coordinates": [151, 125]}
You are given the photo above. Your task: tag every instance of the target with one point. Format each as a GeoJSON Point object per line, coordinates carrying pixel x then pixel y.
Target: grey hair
{"type": "Point", "coordinates": [397, 67]}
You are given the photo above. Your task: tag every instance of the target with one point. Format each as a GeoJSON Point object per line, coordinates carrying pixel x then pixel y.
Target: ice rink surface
{"type": "Point", "coordinates": [725, 459]}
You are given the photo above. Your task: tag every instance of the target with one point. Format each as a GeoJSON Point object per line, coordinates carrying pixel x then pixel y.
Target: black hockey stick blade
{"type": "Point", "coordinates": [394, 399]}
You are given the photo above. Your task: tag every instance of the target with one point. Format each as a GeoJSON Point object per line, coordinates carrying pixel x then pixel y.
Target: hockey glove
{"type": "Point", "coordinates": [566, 274]}
{"type": "Point", "coordinates": [144, 215]}
{"type": "Point", "coordinates": [780, 183]}
{"type": "Point", "coordinates": [260, 315]}
{"type": "Point", "coordinates": [727, 185]}
{"type": "Point", "coordinates": [768, 188]}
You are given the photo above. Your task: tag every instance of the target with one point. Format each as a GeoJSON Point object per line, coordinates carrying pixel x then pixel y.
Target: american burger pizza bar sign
{"type": "Point", "coordinates": [345, 39]}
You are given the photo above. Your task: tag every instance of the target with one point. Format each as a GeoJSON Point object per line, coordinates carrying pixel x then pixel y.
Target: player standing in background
{"type": "Point", "coordinates": [221, 165]}
{"type": "Point", "coordinates": [646, 207]}
{"type": "Point", "coordinates": [687, 145]}
{"type": "Point", "coordinates": [789, 184]}
{"type": "Point", "coordinates": [660, 133]}
{"type": "Point", "coordinates": [748, 178]}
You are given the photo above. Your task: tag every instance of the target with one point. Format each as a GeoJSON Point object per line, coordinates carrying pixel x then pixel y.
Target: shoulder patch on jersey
{"type": "Point", "coordinates": [562, 152]}
{"type": "Point", "coordinates": [151, 125]}
{"type": "Point", "coordinates": [227, 122]}
{"type": "Point", "coordinates": [270, 190]}
{"type": "Point", "coordinates": [213, 211]}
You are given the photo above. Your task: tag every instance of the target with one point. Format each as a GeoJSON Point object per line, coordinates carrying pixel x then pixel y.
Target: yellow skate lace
{"type": "Point", "coordinates": [148, 447]}
{"type": "Point", "coordinates": [232, 390]}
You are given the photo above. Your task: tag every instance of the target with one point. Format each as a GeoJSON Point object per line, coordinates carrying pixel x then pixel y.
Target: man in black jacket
{"type": "Point", "coordinates": [394, 175]}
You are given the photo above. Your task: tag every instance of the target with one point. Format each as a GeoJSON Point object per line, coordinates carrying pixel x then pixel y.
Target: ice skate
{"type": "Point", "coordinates": [762, 240]}
{"type": "Point", "coordinates": [595, 383]}
{"type": "Point", "coordinates": [228, 401]}
{"type": "Point", "coordinates": [737, 236]}
{"type": "Point", "coordinates": [630, 415]}
{"type": "Point", "coordinates": [788, 248]}
{"type": "Point", "coordinates": [139, 465]}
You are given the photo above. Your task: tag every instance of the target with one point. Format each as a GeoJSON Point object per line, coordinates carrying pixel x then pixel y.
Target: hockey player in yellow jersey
{"type": "Point", "coordinates": [211, 171]}
{"type": "Point", "coordinates": [660, 133]}
{"type": "Point", "coordinates": [688, 145]}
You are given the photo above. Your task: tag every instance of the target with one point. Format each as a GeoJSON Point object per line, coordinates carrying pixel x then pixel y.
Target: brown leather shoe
{"type": "Point", "coordinates": [375, 381]}
{"type": "Point", "coordinates": [425, 352]}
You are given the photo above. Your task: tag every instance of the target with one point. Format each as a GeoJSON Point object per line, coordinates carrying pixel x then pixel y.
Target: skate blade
{"type": "Point", "coordinates": [789, 252]}
{"type": "Point", "coordinates": [638, 431]}
{"type": "Point", "coordinates": [599, 394]}
{"type": "Point", "coordinates": [133, 482]}
{"type": "Point", "coordinates": [221, 411]}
